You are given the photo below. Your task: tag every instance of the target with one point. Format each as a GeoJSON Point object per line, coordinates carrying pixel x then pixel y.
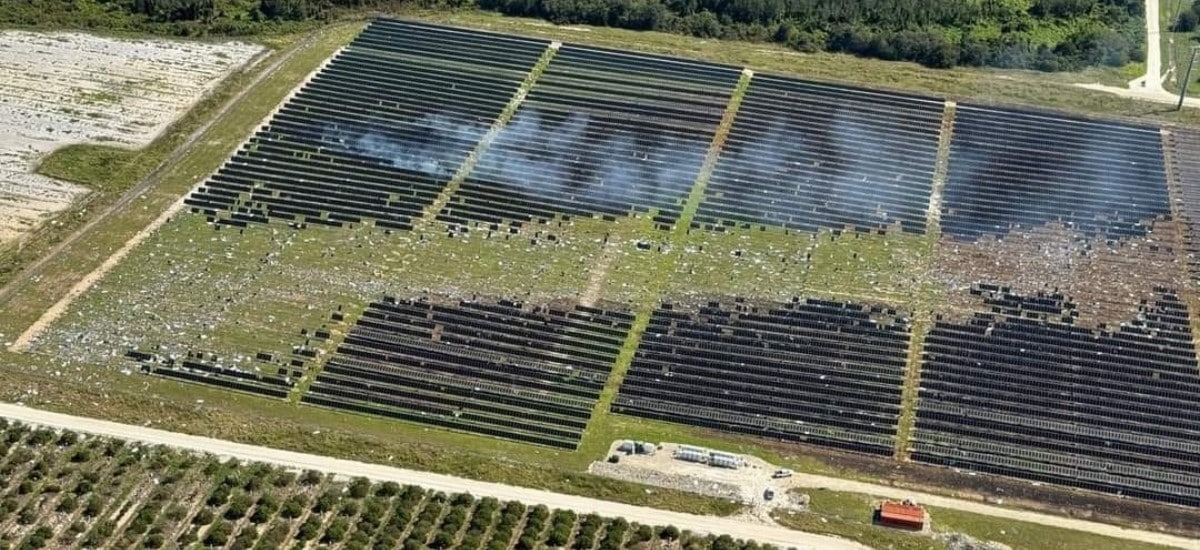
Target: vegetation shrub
{"type": "Point", "coordinates": [238, 506]}
{"type": "Point", "coordinates": [349, 509]}
{"type": "Point", "coordinates": [293, 507]}
{"type": "Point", "coordinates": [67, 504]}
{"type": "Point", "coordinates": [336, 531]}
{"type": "Point", "coordinates": [388, 489]}
{"type": "Point", "coordinates": [326, 501]}
{"type": "Point", "coordinates": [204, 516]}
{"type": "Point", "coordinates": [245, 539]}
{"type": "Point", "coordinates": [308, 530]}
{"type": "Point", "coordinates": [218, 534]}
{"type": "Point", "coordinates": [311, 477]}
{"type": "Point", "coordinates": [283, 479]}
{"type": "Point", "coordinates": [1188, 19]}
{"type": "Point", "coordinates": [94, 506]}
{"type": "Point", "coordinates": [359, 488]}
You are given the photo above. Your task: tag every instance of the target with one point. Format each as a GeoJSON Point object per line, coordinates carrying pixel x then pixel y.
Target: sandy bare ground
{"type": "Point", "coordinates": [62, 88]}
{"type": "Point", "coordinates": [595, 285]}
{"type": "Point", "coordinates": [779, 536]}
{"type": "Point", "coordinates": [747, 484]}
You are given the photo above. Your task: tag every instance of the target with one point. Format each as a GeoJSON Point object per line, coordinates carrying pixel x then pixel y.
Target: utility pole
{"type": "Point", "coordinates": [1187, 79]}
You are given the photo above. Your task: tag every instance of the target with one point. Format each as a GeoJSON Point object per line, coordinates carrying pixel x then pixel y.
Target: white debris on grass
{"type": "Point", "coordinates": [62, 88]}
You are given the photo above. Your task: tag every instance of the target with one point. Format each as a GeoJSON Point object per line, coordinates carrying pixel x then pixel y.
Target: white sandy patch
{"type": "Point", "coordinates": [62, 88]}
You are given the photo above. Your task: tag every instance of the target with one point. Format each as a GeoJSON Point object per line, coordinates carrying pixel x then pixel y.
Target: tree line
{"type": "Point", "coordinates": [1188, 19]}
{"type": "Point", "coordinates": [1048, 35]}
{"type": "Point", "coordinates": [61, 490]}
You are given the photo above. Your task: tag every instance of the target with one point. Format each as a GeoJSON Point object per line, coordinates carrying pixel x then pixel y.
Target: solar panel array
{"type": "Point", "coordinates": [1016, 170]}
{"type": "Point", "coordinates": [819, 371]}
{"type": "Point", "coordinates": [1020, 390]}
{"type": "Point", "coordinates": [377, 134]}
{"type": "Point", "coordinates": [524, 373]}
{"type": "Point", "coordinates": [1020, 387]}
{"type": "Point", "coordinates": [1185, 167]}
{"type": "Point", "coordinates": [601, 133]}
{"type": "Point", "coordinates": [809, 156]}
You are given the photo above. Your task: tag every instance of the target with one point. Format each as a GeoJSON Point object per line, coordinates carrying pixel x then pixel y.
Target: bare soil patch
{"type": "Point", "coordinates": [58, 89]}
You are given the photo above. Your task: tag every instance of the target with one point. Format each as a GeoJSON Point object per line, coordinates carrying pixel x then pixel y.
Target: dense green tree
{"type": "Point", "coordinates": [938, 33]}
{"type": "Point", "coordinates": [93, 507]}
{"type": "Point", "coordinates": [336, 531]}
{"type": "Point", "coordinates": [308, 530]}
{"type": "Point", "coordinates": [388, 489]}
{"type": "Point", "coordinates": [1186, 22]}
{"type": "Point", "coordinates": [725, 542]}
{"type": "Point", "coordinates": [311, 477]}
{"type": "Point", "coordinates": [238, 506]}
{"type": "Point", "coordinates": [293, 508]}
{"type": "Point", "coordinates": [204, 516]}
{"type": "Point", "coordinates": [218, 534]}
{"type": "Point", "coordinates": [359, 487]}
{"type": "Point", "coordinates": [1042, 34]}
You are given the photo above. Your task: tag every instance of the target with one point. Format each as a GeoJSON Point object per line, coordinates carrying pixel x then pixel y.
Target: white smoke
{"type": "Point", "coordinates": [434, 145]}
{"type": "Point", "coordinates": [574, 156]}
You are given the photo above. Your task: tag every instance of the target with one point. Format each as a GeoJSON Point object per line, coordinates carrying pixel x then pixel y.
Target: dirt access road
{"type": "Point", "coordinates": [778, 536]}
{"type": "Point", "coordinates": [1148, 87]}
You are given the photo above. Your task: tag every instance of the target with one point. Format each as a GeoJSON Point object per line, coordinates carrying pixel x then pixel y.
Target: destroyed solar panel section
{"type": "Point", "coordinates": [808, 156]}
{"type": "Point", "coordinates": [264, 376]}
{"type": "Point", "coordinates": [376, 135]}
{"type": "Point", "coordinates": [602, 133]}
{"type": "Point", "coordinates": [818, 371]}
{"type": "Point", "coordinates": [504, 369]}
{"type": "Point", "coordinates": [1071, 359]}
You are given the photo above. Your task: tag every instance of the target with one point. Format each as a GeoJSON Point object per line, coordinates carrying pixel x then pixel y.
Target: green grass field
{"type": "Point", "coordinates": [849, 515]}
{"type": "Point", "coordinates": [235, 293]}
